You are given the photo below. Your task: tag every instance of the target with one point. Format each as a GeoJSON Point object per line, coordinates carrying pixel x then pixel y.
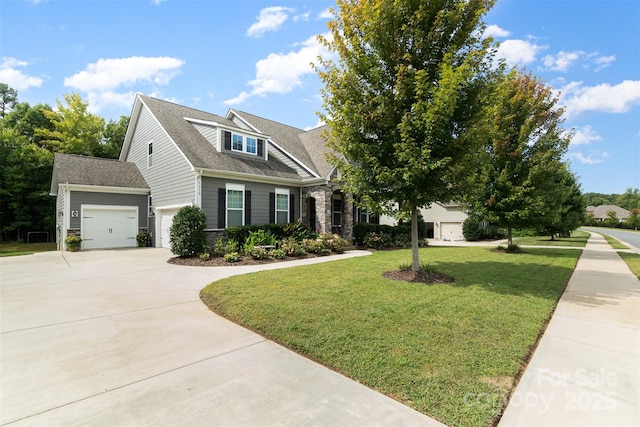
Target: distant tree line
{"type": "Point", "coordinates": [628, 200]}
{"type": "Point", "coordinates": [29, 135]}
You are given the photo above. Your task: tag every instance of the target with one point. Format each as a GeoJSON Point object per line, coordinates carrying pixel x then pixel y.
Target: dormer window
{"type": "Point", "coordinates": [243, 144]}
{"type": "Point", "coordinates": [252, 145]}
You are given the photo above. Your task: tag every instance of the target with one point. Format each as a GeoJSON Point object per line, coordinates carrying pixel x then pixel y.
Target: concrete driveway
{"type": "Point", "coordinates": [121, 338]}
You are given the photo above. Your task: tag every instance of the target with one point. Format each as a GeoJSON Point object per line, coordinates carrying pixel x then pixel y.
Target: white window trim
{"type": "Point", "coordinates": [149, 155]}
{"type": "Point", "coordinates": [233, 187]}
{"type": "Point", "coordinates": [233, 135]}
{"type": "Point", "coordinates": [282, 191]}
{"type": "Point", "coordinates": [244, 144]}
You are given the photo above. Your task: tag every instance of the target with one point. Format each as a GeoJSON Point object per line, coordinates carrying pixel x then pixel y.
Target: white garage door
{"type": "Point", "coordinates": [451, 231]}
{"type": "Point", "coordinates": [109, 227]}
{"type": "Point", "coordinates": [166, 219]}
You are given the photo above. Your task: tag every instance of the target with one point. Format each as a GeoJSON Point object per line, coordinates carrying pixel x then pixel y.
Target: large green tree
{"type": "Point", "coordinates": [400, 97]}
{"type": "Point", "coordinates": [565, 208]}
{"type": "Point", "coordinates": [8, 99]}
{"type": "Point", "coordinates": [75, 129]}
{"type": "Point", "coordinates": [524, 146]}
{"type": "Point", "coordinates": [629, 199]}
{"type": "Point", "coordinates": [113, 138]}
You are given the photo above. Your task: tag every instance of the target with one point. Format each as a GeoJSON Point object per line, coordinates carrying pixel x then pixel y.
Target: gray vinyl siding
{"type": "Point", "coordinates": [259, 199]}
{"type": "Point", "coordinates": [79, 198]}
{"type": "Point", "coordinates": [273, 151]}
{"type": "Point", "coordinates": [240, 123]}
{"type": "Point", "coordinates": [209, 132]}
{"type": "Point", "coordinates": [170, 176]}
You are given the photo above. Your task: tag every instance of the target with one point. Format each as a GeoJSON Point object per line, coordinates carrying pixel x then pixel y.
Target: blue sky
{"type": "Point", "coordinates": [254, 55]}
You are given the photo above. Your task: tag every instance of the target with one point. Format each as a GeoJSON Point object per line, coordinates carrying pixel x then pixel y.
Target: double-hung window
{"type": "Point", "coordinates": [150, 154]}
{"type": "Point", "coordinates": [282, 206]}
{"type": "Point", "coordinates": [252, 145]}
{"type": "Point", "coordinates": [235, 205]}
{"type": "Point", "coordinates": [236, 142]}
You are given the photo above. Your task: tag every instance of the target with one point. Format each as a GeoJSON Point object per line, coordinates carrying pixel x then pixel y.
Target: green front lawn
{"type": "Point", "coordinates": [578, 239]}
{"type": "Point", "coordinates": [450, 350]}
{"type": "Point", "coordinates": [613, 242]}
{"type": "Point", "coordinates": [633, 261]}
{"type": "Point", "coordinates": [13, 249]}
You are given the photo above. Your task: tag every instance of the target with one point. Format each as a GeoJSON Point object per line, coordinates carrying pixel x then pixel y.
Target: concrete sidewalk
{"type": "Point", "coordinates": [586, 369]}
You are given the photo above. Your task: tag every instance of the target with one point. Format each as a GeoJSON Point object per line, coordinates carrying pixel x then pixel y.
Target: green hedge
{"type": "Point", "coordinates": [361, 230]}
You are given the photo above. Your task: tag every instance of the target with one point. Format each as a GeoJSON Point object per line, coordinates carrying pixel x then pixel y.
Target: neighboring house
{"type": "Point", "coordinates": [601, 213]}
{"type": "Point", "coordinates": [103, 201]}
{"type": "Point", "coordinates": [444, 221]}
{"type": "Point", "coordinates": [240, 169]}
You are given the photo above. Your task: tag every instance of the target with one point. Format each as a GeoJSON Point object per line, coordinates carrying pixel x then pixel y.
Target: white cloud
{"type": "Point", "coordinates": [282, 73]}
{"type": "Point", "coordinates": [15, 78]}
{"type": "Point", "coordinates": [304, 17]}
{"type": "Point", "coordinates": [325, 14]}
{"type": "Point", "coordinates": [584, 136]}
{"type": "Point", "coordinates": [604, 62]}
{"type": "Point", "coordinates": [270, 19]}
{"type": "Point", "coordinates": [563, 60]}
{"type": "Point", "coordinates": [495, 31]}
{"type": "Point", "coordinates": [592, 158]}
{"type": "Point", "coordinates": [107, 74]}
{"type": "Point", "coordinates": [519, 52]}
{"type": "Point", "coordinates": [102, 79]}
{"type": "Point", "coordinates": [606, 98]}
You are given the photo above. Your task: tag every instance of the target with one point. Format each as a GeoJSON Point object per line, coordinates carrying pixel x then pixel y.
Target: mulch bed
{"type": "Point", "coordinates": [418, 276]}
{"type": "Point", "coordinates": [220, 262]}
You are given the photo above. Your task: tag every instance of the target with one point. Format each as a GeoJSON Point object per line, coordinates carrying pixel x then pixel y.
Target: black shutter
{"type": "Point", "coordinates": [292, 208]}
{"type": "Point", "coordinates": [227, 140]}
{"type": "Point", "coordinates": [261, 147]}
{"type": "Point", "coordinates": [272, 208]}
{"type": "Point", "coordinates": [312, 213]}
{"type": "Point", "coordinates": [222, 207]}
{"type": "Point", "coordinates": [247, 207]}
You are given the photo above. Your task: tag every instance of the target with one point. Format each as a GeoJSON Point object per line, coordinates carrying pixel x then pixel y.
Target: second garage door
{"type": "Point", "coordinates": [109, 227]}
{"type": "Point", "coordinates": [451, 231]}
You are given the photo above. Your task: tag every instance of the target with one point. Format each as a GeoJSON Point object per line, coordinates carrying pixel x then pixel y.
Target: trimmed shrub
{"type": "Point", "coordinates": [186, 234]}
{"type": "Point", "coordinates": [222, 247]}
{"type": "Point", "coordinates": [277, 254]}
{"type": "Point", "coordinates": [232, 257]}
{"type": "Point", "coordinates": [258, 238]}
{"type": "Point", "coordinates": [293, 248]}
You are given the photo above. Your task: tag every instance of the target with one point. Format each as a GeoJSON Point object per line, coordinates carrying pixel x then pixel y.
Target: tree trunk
{"type": "Point", "coordinates": [509, 236]}
{"type": "Point", "coordinates": [415, 255]}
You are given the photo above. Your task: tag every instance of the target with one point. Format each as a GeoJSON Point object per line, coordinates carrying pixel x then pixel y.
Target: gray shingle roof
{"type": "Point", "coordinates": [83, 170]}
{"type": "Point", "coordinates": [288, 137]}
{"type": "Point", "coordinates": [602, 212]}
{"type": "Point", "coordinates": [200, 153]}
{"type": "Point", "coordinates": [316, 145]}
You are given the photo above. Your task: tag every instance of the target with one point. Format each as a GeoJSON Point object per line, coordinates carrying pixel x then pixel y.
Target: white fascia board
{"type": "Point", "coordinates": [227, 127]}
{"type": "Point", "coordinates": [292, 157]}
{"type": "Point", "coordinates": [107, 189]}
{"type": "Point", "coordinates": [135, 113]}
{"type": "Point", "coordinates": [271, 141]}
{"type": "Point", "coordinates": [249, 177]}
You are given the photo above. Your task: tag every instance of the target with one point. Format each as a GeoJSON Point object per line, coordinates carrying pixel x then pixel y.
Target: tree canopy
{"type": "Point", "coordinates": [405, 88]}
{"type": "Point", "coordinates": [28, 137]}
{"type": "Point", "coordinates": [522, 165]}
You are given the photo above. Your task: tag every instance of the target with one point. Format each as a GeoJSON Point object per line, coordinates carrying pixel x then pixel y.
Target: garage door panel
{"type": "Point", "coordinates": [108, 227]}
{"type": "Point", "coordinates": [451, 231]}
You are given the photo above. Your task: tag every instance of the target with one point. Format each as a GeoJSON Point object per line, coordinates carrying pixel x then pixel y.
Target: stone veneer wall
{"type": "Point", "coordinates": [322, 195]}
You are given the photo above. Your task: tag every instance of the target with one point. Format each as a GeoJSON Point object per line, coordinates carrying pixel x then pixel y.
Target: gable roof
{"type": "Point", "coordinates": [197, 150]}
{"type": "Point", "coordinates": [601, 212]}
{"type": "Point", "coordinates": [95, 171]}
{"type": "Point", "coordinates": [315, 144]}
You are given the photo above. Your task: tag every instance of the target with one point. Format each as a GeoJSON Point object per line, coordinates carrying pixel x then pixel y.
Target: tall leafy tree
{"type": "Point", "coordinates": [76, 131]}
{"type": "Point", "coordinates": [523, 151]}
{"type": "Point", "coordinates": [565, 206]}
{"type": "Point", "coordinates": [113, 138]}
{"type": "Point", "coordinates": [401, 96]}
{"type": "Point", "coordinates": [8, 99]}
{"type": "Point", "coordinates": [629, 199]}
